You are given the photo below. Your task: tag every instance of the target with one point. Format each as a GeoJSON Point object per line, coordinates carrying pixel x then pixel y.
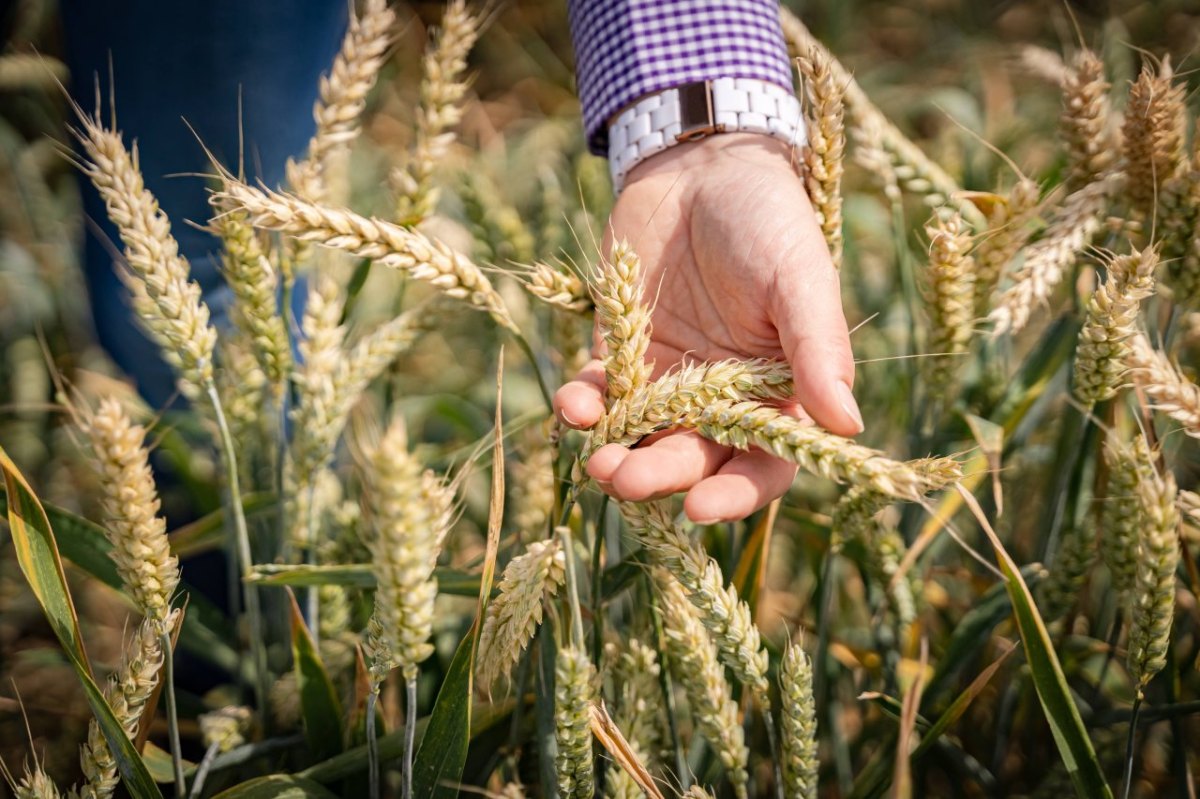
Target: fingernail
{"type": "Point", "coordinates": [846, 398]}
{"type": "Point", "coordinates": [705, 522]}
{"type": "Point", "coordinates": [563, 413]}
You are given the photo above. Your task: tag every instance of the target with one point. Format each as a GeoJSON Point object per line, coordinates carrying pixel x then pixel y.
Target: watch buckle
{"type": "Point", "coordinates": [697, 118]}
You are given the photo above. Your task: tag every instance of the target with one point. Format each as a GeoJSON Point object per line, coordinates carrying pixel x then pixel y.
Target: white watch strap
{"type": "Point", "coordinates": [724, 105]}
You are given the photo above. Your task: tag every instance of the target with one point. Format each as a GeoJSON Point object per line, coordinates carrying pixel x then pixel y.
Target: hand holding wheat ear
{"type": "Point", "coordinates": [734, 261]}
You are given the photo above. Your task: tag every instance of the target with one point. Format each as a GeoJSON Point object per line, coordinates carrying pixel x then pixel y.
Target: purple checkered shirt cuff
{"type": "Point", "coordinates": [628, 48]}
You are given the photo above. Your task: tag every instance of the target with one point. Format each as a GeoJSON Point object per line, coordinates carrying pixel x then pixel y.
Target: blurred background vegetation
{"type": "Point", "coordinates": [951, 73]}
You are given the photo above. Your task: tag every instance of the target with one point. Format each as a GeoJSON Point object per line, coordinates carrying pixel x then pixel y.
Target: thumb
{"type": "Point", "coordinates": [806, 309]}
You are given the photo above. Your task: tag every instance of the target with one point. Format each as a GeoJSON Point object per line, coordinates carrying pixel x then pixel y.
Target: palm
{"type": "Point", "coordinates": [735, 267]}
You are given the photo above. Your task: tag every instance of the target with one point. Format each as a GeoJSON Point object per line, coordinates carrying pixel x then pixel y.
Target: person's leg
{"type": "Point", "coordinates": [177, 61]}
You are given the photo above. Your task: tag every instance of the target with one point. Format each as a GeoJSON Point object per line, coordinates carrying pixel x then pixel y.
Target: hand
{"type": "Point", "coordinates": [734, 257]}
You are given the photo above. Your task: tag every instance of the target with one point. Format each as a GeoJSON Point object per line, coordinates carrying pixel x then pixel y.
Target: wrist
{"type": "Point", "coordinates": [667, 120]}
{"type": "Point", "coordinates": [749, 148]}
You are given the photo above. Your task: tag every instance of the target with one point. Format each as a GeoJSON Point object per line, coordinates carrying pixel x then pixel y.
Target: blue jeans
{"type": "Point", "coordinates": [177, 60]}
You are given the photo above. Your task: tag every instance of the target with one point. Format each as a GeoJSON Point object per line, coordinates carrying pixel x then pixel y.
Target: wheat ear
{"type": "Point", "coordinates": [726, 616]}
{"type": "Point", "coordinates": [343, 95]}
{"type": "Point", "coordinates": [127, 691]}
{"type": "Point", "coordinates": [1084, 122]}
{"type": "Point", "coordinates": [1121, 515]}
{"type": "Point", "coordinates": [130, 504]}
{"type": "Point", "coordinates": [749, 424]}
{"type": "Point", "coordinates": [799, 724]}
{"type": "Point", "coordinates": [574, 689]}
{"type": "Point", "coordinates": [556, 287]}
{"type": "Point", "coordinates": [950, 301]}
{"type": "Point", "coordinates": [167, 301]}
{"type": "Point", "coordinates": [1077, 553]}
{"type": "Point", "coordinates": [255, 309]}
{"type": "Point", "coordinates": [696, 666]}
{"type": "Point", "coordinates": [1075, 223]}
{"type": "Point", "coordinates": [411, 511]}
{"type": "Point", "coordinates": [1154, 135]}
{"type": "Point", "coordinates": [639, 710]}
{"type": "Point", "coordinates": [1112, 312]}
{"type": "Point", "coordinates": [826, 146]}
{"type": "Point", "coordinates": [854, 518]}
{"type": "Point", "coordinates": [35, 784]}
{"type": "Point", "coordinates": [1009, 229]}
{"type": "Point", "coordinates": [385, 243]}
{"type": "Point", "coordinates": [442, 90]}
{"type": "Point", "coordinates": [1171, 392]}
{"type": "Point", "coordinates": [515, 614]}
{"type": "Point", "coordinates": [623, 320]}
{"type": "Point", "coordinates": [1154, 580]}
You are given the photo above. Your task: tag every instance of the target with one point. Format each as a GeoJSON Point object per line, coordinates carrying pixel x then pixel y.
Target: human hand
{"type": "Point", "coordinates": [735, 263]}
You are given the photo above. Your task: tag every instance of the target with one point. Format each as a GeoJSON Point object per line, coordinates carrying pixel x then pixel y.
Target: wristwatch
{"type": "Point", "coordinates": [695, 110]}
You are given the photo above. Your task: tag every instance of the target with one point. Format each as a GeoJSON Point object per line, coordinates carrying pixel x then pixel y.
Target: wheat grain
{"type": "Point", "coordinates": [1154, 579]}
{"type": "Point", "coordinates": [130, 504]}
{"type": "Point", "coordinates": [798, 724]}
{"type": "Point", "coordinates": [515, 614]}
{"type": "Point", "coordinates": [1171, 392]}
{"type": "Point", "coordinates": [949, 283]}
{"type": "Point", "coordinates": [442, 90]}
{"type": "Point", "coordinates": [695, 665]}
{"type": "Point", "coordinates": [574, 689]}
{"type": "Point", "coordinates": [411, 511]}
{"type": "Point", "coordinates": [167, 301]}
{"type": "Point", "coordinates": [343, 95]}
{"type": "Point", "coordinates": [1084, 122]}
{"type": "Point", "coordinates": [1076, 222]}
{"type": "Point", "coordinates": [826, 147]}
{"type": "Point", "coordinates": [726, 616]}
{"type": "Point", "coordinates": [1112, 311]}
{"type": "Point", "coordinates": [396, 247]}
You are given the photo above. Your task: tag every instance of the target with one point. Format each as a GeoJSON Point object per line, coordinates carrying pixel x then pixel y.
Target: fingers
{"type": "Point", "coordinates": [748, 481]}
{"type": "Point", "coordinates": [671, 464]}
{"type": "Point", "coordinates": [580, 403]}
{"type": "Point", "coordinates": [806, 309]}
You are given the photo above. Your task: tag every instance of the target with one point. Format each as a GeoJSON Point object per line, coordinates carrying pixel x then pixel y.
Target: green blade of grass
{"type": "Point", "coordinates": [1066, 725]}
{"type": "Point", "coordinates": [278, 786]}
{"type": "Point", "coordinates": [319, 705]}
{"type": "Point", "coordinates": [37, 554]}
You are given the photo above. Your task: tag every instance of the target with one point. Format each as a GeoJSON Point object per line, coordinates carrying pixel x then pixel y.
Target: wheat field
{"type": "Point", "coordinates": [360, 557]}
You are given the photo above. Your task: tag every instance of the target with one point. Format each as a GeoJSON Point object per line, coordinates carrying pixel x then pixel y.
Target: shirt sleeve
{"type": "Point", "coordinates": [628, 48]}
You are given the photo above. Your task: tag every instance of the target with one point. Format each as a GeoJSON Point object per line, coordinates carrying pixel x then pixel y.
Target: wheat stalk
{"type": "Point", "coordinates": [1112, 311]}
{"type": "Point", "coordinates": [826, 146]}
{"type": "Point", "coordinates": [1171, 392]}
{"type": "Point", "coordinates": [515, 614]}
{"type": "Point", "coordinates": [343, 95]}
{"type": "Point", "coordinates": [167, 301]}
{"type": "Point", "coordinates": [799, 724]}
{"type": "Point", "coordinates": [385, 243]}
{"type": "Point", "coordinates": [1076, 222]}
{"type": "Point", "coordinates": [574, 688]}
{"type": "Point", "coordinates": [695, 665]}
{"type": "Point", "coordinates": [130, 504]}
{"type": "Point", "coordinates": [442, 90]}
